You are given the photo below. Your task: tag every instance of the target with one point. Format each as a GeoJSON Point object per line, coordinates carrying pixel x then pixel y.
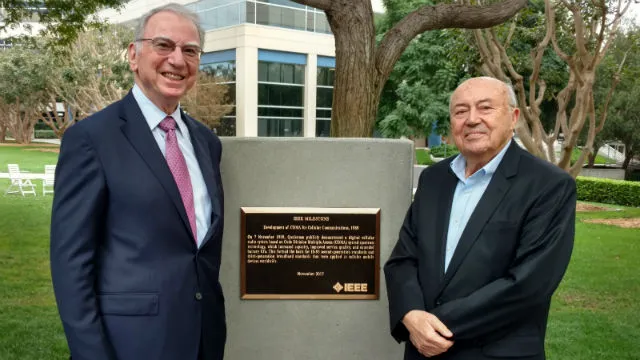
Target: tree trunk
{"type": "Point", "coordinates": [627, 159]}
{"type": "Point", "coordinates": [353, 109]}
{"type": "Point", "coordinates": [592, 160]}
{"type": "Point", "coordinates": [3, 133]}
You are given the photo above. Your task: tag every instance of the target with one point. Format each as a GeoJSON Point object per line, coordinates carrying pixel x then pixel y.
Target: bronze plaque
{"type": "Point", "coordinates": [309, 253]}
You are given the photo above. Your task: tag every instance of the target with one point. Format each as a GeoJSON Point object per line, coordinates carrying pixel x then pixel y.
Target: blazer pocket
{"type": "Point", "coordinates": [514, 347]}
{"type": "Point", "coordinates": [130, 304]}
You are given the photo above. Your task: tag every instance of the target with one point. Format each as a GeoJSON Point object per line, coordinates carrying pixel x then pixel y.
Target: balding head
{"type": "Point", "coordinates": [483, 116]}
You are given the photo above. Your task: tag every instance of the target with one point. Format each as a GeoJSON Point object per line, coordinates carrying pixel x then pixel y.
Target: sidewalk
{"type": "Point", "coordinates": [42, 141]}
{"type": "Point", "coordinates": [30, 176]}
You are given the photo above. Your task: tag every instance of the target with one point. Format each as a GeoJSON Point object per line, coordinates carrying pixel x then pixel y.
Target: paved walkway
{"type": "Point", "coordinates": [42, 141]}
{"type": "Point", "coordinates": [24, 175]}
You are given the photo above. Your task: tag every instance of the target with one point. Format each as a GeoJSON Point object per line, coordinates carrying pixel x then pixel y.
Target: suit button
{"type": "Point", "coordinates": [438, 302]}
{"type": "Point", "coordinates": [198, 296]}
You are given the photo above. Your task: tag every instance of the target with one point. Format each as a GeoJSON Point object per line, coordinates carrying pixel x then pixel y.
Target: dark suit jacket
{"type": "Point", "coordinates": [510, 258]}
{"type": "Point", "coordinates": [129, 281]}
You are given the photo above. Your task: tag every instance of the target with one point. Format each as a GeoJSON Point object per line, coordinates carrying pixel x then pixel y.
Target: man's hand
{"type": "Point", "coordinates": [427, 333]}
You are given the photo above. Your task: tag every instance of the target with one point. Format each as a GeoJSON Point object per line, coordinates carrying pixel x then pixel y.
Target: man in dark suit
{"type": "Point", "coordinates": [136, 228]}
{"type": "Point", "coordinates": [485, 243]}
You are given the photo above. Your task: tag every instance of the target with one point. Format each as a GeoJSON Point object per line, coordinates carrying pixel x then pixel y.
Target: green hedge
{"type": "Point", "coordinates": [618, 192]}
{"type": "Point", "coordinates": [444, 150]}
{"type": "Point", "coordinates": [45, 134]}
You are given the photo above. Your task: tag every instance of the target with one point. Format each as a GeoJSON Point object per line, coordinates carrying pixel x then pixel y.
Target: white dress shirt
{"type": "Point", "coordinates": [201, 200]}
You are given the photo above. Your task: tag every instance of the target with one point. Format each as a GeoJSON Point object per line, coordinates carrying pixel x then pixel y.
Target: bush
{"type": "Point", "coordinates": [618, 192]}
{"type": "Point", "coordinates": [45, 134]}
{"type": "Point", "coordinates": [423, 157]}
{"type": "Point", "coordinates": [444, 150]}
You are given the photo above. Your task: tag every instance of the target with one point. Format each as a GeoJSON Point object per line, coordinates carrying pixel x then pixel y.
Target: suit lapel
{"type": "Point", "coordinates": [487, 205]}
{"type": "Point", "coordinates": [137, 132]}
{"type": "Point", "coordinates": [445, 199]}
{"type": "Point", "coordinates": [206, 167]}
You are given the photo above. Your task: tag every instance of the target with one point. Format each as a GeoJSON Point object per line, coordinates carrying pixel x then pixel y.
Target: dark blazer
{"type": "Point", "coordinates": [129, 281]}
{"type": "Point", "coordinates": [510, 258]}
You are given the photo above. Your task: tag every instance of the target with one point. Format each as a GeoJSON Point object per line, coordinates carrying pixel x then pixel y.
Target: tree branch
{"type": "Point", "coordinates": [614, 84]}
{"type": "Point", "coordinates": [440, 16]}
{"type": "Point", "coordinates": [512, 30]}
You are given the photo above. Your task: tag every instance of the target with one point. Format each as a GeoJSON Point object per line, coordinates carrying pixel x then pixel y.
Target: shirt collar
{"type": "Point", "coordinates": [152, 113]}
{"type": "Point", "coordinates": [459, 163]}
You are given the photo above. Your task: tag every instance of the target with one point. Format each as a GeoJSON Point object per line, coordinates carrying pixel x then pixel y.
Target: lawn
{"type": "Point", "coordinates": [594, 314]}
{"type": "Point", "coordinates": [600, 160]}
{"type": "Point", "coordinates": [31, 158]}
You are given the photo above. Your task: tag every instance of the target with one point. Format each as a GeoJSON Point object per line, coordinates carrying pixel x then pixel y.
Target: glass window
{"type": "Point", "coordinates": [323, 128]}
{"type": "Point", "coordinates": [287, 73]}
{"type": "Point", "coordinates": [280, 99]}
{"type": "Point", "coordinates": [251, 12]}
{"type": "Point", "coordinates": [322, 25]}
{"type": "Point", "coordinates": [279, 127]}
{"type": "Point", "coordinates": [325, 76]}
{"type": "Point", "coordinates": [324, 97]}
{"type": "Point", "coordinates": [324, 101]}
{"type": "Point", "coordinates": [222, 15]}
{"type": "Point", "coordinates": [310, 20]}
{"type": "Point", "coordinates": [263, 71]}
{"type": "Point", "coordinates": [226, 70]}
{"type": "Point", "coordinates": [274, 72]}
{"type": "Point", "coordinates": [227, 126]}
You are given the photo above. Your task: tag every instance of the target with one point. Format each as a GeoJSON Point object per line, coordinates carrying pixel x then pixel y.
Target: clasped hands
{"type": "Point", "coordinates": [427, 333]}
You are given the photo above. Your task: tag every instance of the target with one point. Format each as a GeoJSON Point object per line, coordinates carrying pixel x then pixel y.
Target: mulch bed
{"type": "Point", "coordinates": [630, 223]}
{"type": "Point", "coordinates": [589, 207]}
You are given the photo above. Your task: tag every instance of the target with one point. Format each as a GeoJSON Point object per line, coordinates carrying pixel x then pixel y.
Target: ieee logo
{"type": "Point", "coordinates": [350, 287]}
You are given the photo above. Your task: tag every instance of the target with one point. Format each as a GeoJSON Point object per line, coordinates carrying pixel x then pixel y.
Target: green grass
{"type": "Point", "coordinates": [594, 314]}
{"type": "Point", "coordinates": [29, 321]}
{"type": "Point", "coordinates": [31, 158]}
{"type": "Point", "coordinates": [600, 160]}
{"type": "Point", "coordinates": [423, 157]}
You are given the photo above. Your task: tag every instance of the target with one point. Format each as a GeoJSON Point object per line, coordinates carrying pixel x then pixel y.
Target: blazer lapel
{"type": "Point", "coordinates": [206, 167]}
{"type": "Point", "coordinates": [445, 199]}
{"type": "Point", "coordinates": [137, 132]}
{"type": "Point", "coordinates": [487, 205]}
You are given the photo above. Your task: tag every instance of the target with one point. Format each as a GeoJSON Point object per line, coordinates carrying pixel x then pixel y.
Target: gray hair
{"type": "Point", "coordinates": [177, 9]}
{"type": "Point", "coordinates": [513, 101]}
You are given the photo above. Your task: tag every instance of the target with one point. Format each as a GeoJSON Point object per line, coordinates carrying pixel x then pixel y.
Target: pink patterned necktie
{"type": "Point", "coordinates": [179, 170]}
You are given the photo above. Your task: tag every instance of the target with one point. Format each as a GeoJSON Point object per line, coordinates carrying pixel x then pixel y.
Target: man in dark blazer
{"type": "Point", "coordinates": [485, 243]}
{"type": "Point", "coordinates": [136, 228]}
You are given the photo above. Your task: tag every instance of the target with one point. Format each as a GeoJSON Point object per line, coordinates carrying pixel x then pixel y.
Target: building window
{"type": "Point", "coordinates": [215, 14]}
{"type": "Point", "coordinates": [215, 64]}
{"type": "Point", "coordinates": [280, 99]}
{"type": "Point", "coordinates": [324, 100]}
{"type": "Point", "coordinates": [287, 14]}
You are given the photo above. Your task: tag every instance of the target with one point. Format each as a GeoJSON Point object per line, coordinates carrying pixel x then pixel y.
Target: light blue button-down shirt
{"type": "Point", "coordinates": [201, 199]}
{"type": "Point", "coordinates": [466, 196]}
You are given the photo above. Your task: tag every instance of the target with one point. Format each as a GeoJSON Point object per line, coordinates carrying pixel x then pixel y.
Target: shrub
{"type": "Point", "coordinates": [423, 157]}
{"type": "Point", "coordinates": [618, 192]}
{"type": "Point", "coordinates": [45, 134]}
{"type": "Point", "coordinates": [444, 150]}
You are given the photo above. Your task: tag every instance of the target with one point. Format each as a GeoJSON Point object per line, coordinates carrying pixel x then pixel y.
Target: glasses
{"type": "Point", "coordinates": [163, 47]}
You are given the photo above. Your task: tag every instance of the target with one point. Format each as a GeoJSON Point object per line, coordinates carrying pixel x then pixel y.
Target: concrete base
{"type": "Point", "coordinates": [615, 174]}
{"type": "Point", "coordinates": [366, 173]}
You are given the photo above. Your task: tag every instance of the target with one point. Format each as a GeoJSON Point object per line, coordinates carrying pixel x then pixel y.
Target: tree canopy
{"type": "Point", "coordinates": [62, 20]}
{"type": "Point", "coordinates": [363, 67]}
